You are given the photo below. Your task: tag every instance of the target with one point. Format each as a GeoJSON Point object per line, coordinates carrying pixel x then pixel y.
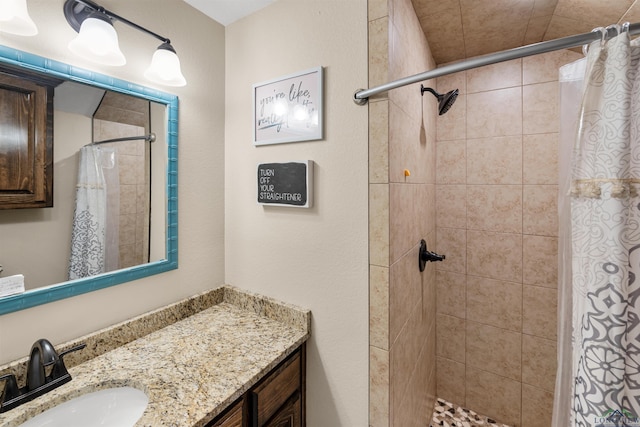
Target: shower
{"type": "Point", "coordinates": [444, 101]}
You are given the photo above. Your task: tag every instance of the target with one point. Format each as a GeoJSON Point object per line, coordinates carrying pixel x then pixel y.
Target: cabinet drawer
{"type": "Point", "coordinates": [274, 391]}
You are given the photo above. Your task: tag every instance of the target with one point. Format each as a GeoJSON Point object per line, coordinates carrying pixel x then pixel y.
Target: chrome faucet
{"type": "Point", "coordinates": [40, 378]}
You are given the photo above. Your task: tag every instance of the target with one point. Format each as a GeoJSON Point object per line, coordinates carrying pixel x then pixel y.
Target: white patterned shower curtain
{"type": "Point", "coordinates": [94, 237]}
{"type": "Point", "coordinates": [598, 380]}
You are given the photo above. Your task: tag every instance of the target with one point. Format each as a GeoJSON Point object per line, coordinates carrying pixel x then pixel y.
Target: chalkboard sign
{"type": "Point", "coordinates": [286, 184]}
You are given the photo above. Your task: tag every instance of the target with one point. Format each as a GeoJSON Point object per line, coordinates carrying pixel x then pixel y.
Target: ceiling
{"type": "Point", "coordinates": [459, 29]}
{"type": "Point", "coordinates": [228, 11]}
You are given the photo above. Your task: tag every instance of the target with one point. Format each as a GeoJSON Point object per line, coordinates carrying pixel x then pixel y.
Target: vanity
{"type": "Point", "coordinates": [223, 358]}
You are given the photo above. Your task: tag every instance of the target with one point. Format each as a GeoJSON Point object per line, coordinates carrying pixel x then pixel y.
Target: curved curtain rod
{"type": "Point", "coordinates": [361, 96]}
{"type": "Point", "coordinates": [150, 137]}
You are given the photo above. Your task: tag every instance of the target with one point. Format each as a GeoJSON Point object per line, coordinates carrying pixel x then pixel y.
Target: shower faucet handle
{"type": "Point", "coordinates": [425, 255]}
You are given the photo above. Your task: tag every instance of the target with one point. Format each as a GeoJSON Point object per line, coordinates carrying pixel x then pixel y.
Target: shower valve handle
{"type": "Point", "coordinates": [426, 255]}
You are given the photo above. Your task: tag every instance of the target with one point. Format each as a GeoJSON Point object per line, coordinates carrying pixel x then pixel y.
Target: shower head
{"type": "Point", "coordinates": [444, 101]}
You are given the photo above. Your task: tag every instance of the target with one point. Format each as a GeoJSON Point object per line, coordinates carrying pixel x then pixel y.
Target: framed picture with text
{"type": "Point", "coordinates": [289, 108]}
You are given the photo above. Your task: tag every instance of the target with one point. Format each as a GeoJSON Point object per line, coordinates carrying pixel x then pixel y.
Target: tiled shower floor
{"type": "Point", "coordinates": [446, 414]}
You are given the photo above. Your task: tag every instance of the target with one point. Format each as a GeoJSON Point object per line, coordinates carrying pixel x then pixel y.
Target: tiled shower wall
{"type": "Point", "coordinates": [496, 202]}
{"type": "Point", "coordinates": [402, 211]}
{"type": "Point", "coordinates": [134, 190]}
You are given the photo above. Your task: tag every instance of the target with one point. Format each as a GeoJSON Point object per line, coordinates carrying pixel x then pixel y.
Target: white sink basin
{"type": "Point", "coordinates": [112, 407]}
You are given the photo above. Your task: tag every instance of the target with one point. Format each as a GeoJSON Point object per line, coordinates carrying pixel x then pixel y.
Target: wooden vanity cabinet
{"type": "Point", "coordinates": [277, 400]}
{"type": "Point", "coordinates": [26, 139]}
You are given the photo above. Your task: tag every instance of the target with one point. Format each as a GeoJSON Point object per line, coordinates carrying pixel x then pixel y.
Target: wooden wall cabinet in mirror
{"type": "Point", "coordinates": [26, 140]}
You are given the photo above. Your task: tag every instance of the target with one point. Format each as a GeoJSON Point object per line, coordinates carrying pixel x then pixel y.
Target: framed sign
{"type": "Point", "coordinates": [288, 109]}
{"type": "Point", "coordinates": [286, 184]}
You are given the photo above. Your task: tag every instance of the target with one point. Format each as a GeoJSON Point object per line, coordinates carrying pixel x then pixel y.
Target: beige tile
{"type": "Point", "coordinates": [540, 108]}
{"type": "Point", "coordinates": [483, 342]}
{"type": "Point", "coordinates": [495, 255]}
{"type": "Point", "coordinates": [536, 29]}
{"type": "Point", "coordinates": [377, 9]}
{"type": "Point", "coordinates": [452, 124]}
{"type": "Point", "coordinates": [379, 53]}
{"type": "Point", "coordinates": [494, 113]}
{"type": "Point", "coordinates": [403, 355]}
{"type": "Point", "coordinates": [539, 362]}
{"type": "Point", "coordinates": [128, 199]}
{"type": "Point", "coordinates": [450, 337]}
{"type": "Point", "coordinates": [426, 211]}
{"type": "Point", "coordinates": [540, 158]}
{"type": "Point", "coordinates": [127, 229]}
{"type": "Point", "coordinates": [452, 81]}
{"type": "Point", "coordinates": [128, 170]}
{"type": "Point", "coordinates": [485, 21]}
{"type": "Point", "coordinates": [403, 217]}
{"type": "Point", "coordinates": [379, 307]}
{"type": "Point", "coordinates": [450, 380]}
{"type": "Point", "coordinates": [451, 162]}
{"type": "Point", "coordinates": [539, 311]}
{"type": "Point", "coordinates": [540, 261]}
{"type": "Point", "coordinates": [451, 206]}
{"type": "Point", "coordinates": [540, 210]}
{"type": "Point", "coordinates": [536, 404]}
{"type": "Point", "coordinates": [544, 7]}
{"type": "Point", "coordinates": [405, 291]}
{"type": "Point", "coordinates": [451, 293]}
{"type": "Point", "coordinates": [494, 396]}
{"type": "Point", "coordinates": [593, 10]}
{"type": "Point", "coordinates": [494, 302]}
{"type": "Point", "coordinates": [563, 26]}
{"type": "Point", "coordinates": [445, 46]}
{"type": "Point", "coordinates": [452, 242]}
{"type": "Point", "coordinates": [379, 141]}
{"type": "Point", "coordinates": [496, 160]}
{"type": "Point", "coordinates": [379, 224]}
{"type": "Point", "coordinates": [415, 406]}
{"type": "Point", "coordinates": [544, 68]}
{"type": "Point", "coordinates": [496, 76]}
{"type": "Point", "coordinates": [408, 148]}
{"type": "Point", "coordinates": [494, 208]}
{"type": "Point", "coordinates": [378, 387]}
{"type": "Point", "coordinates": [632, 15]}
{"type": "Point", "coordinates": [429, 303]}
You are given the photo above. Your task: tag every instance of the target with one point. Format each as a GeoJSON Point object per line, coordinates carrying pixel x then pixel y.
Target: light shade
{"type": "Point", "coordinates": [97, 41]}
{"type": "Point", "coordinates": [15, 19]}
{"type": "Point", "coordinates": [165, 67]}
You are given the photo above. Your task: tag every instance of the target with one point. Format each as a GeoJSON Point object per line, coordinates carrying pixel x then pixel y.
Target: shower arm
{"type": "Point", "coordinates": [361, 96]}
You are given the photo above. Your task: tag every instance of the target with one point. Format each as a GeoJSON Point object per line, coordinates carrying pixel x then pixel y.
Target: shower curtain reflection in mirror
{"type": "Point", "coordinates": [598, 378]}
{"type": "Point", "coordinates": [95, 233]}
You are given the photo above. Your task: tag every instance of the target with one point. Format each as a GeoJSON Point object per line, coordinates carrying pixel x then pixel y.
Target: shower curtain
{"type": "Point", "coordinates": [598, 379]}
{"type": "Point", "coordinates": [94, 237]}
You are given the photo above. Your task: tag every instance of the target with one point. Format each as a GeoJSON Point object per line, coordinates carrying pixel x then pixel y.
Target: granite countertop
{"type": "Point", "coordinates": [191, 369]}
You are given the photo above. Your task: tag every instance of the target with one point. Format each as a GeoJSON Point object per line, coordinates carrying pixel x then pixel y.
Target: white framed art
{"type": "Point", "coordinates": [289, 108]}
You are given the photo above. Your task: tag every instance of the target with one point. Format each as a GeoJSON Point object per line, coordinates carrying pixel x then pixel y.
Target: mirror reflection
{"type": "Point", "coordinates": [109, 199]}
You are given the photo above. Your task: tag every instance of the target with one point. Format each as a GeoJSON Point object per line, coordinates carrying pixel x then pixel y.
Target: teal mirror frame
{"type": "Point", "coordinates": [24, 60]}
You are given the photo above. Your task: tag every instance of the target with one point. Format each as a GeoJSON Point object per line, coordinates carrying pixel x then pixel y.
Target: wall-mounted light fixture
{"type": "Point", "coordinates": [15, 19]}
{"type": "Point", "coordinates": [97, 41]}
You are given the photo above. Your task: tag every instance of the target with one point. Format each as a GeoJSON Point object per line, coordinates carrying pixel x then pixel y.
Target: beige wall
{"type": "Point", "coordinates": [199, 42]}
{"type": "Point", "coordinates": [314, 257]}
{"type": "Point", "coordinates": [402, 212]}
{"type": "Point", "coordinates": [497, 222]}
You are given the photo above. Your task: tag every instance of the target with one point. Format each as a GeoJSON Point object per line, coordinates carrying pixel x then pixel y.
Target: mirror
{"type": "Point", "coordinates": [77, 124]}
